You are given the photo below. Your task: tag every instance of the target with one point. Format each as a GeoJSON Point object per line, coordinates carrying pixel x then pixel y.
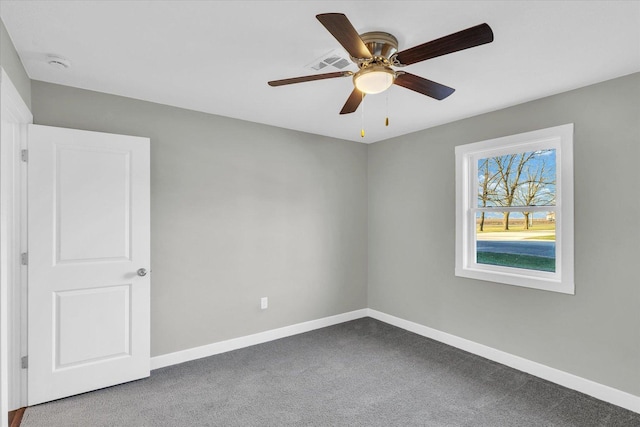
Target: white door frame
{"type": "Point", "coordinates": [13, 392]}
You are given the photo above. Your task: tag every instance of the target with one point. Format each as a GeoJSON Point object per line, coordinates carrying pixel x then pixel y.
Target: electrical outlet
{"type": "Point", "coordinates": [264, 303]}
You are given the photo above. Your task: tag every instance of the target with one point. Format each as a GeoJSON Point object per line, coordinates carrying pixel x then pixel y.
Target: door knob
{"type": "Point", "coordinates": [142, 272]}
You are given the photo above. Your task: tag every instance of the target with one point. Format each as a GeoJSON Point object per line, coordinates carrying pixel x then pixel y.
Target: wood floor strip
{"type": "Point", "coordinates": [15, 417]}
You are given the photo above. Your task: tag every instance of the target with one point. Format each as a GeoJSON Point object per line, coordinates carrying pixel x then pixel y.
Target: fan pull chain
{"type": "Point", "coordinates": [362, 117]}
{"type": "Point", "coordinates": [386, 121]}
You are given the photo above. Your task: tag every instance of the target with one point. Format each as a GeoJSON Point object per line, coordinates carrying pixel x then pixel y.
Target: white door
{"type": "Point", "coordinates": [88, 241]}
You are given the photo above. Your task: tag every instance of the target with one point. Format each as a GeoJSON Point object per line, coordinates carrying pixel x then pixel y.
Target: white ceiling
{"type": "Point", "coordinates": [217, 56]}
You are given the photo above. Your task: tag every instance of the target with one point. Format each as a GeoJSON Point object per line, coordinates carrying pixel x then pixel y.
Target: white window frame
{"type": "Point", "coordinates": [559, 138]}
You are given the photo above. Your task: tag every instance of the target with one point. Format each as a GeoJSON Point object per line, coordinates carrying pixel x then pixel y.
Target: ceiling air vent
{"type": "Point", "coordinates": [333, 59]}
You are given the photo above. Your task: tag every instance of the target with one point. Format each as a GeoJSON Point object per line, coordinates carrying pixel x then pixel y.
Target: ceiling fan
{"type": "Point", "coordinates": [375, 53]}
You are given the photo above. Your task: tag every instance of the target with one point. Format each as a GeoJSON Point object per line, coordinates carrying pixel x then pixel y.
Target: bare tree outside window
{"type": "Point", "coordinates": [509, 171]}
{"type": "Point", "coordinates": [536, 188]}
{"type": "Point", "coordinates": [487, 182]}
{"type": "Point", "coordinates": [520, 179]}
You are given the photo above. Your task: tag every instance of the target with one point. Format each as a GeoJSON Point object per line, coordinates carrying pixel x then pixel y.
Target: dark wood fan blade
{"type": "Point", "coordinates": [309, 78]}
{"type": "Point", "coordinates": [423, 86]}
{"type": "Point", "coordinates": [471, 37]}
{"type": "Point", "coordinates": [340, 28]}
{"type": "Point", "coordinates": [352, 103]}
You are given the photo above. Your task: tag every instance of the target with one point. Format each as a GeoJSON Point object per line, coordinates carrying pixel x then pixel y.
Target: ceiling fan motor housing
{"type": "Point", "coordinates": [380, 44]}
{"type": "Point", "coordinates": [376, 74]}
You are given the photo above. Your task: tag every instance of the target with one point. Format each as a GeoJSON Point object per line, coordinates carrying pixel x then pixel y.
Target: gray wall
{"type": "Point", "coordinates": [239, 211]}
{"type": "Point", "coordinates": [10, 61]}
{"type": "Point", "coordinates": [594, 334]}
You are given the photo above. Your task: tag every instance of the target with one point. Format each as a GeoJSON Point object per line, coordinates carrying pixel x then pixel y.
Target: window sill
{"type": "Point", "coordinates": [515, 279]}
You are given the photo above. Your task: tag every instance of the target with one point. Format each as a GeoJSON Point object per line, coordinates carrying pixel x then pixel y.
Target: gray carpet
{"type": "Point", "coordinates": [359, 373]}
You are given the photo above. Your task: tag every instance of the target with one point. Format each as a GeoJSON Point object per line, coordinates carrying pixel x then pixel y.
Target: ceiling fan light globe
{"type": "Point", "coordinates": [374, 79]}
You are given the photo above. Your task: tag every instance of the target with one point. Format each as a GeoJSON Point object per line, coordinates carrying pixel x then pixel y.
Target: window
{"type": "Point", "coordinates": [514, 210]}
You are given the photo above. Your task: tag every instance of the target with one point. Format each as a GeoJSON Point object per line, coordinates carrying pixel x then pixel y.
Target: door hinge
{"type": "Point", "coordinates": [24, 362]}
{"type": "Point", "coordinates": [24, 258]}
{"type": "Point", "coordinates": [24, 155]}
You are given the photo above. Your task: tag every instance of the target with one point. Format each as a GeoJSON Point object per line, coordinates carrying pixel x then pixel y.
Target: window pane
{"type": "Point", "coordinates": [517, 239]}
{"type": "Point", "coordinates": [520, 179]}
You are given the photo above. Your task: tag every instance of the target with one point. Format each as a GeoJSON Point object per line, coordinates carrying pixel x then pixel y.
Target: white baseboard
{"type": "Point", "coordinates": [583, 385]}
{"type": "Point", "coordinates": [249, 340]}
